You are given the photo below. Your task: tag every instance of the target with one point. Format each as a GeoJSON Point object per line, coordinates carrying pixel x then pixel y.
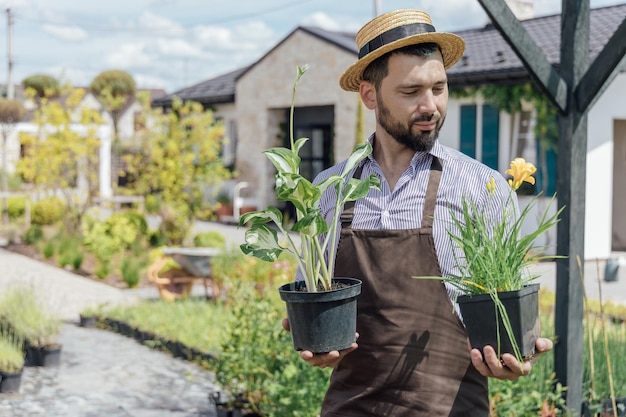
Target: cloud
{"type": "Point", "coordinates": [160, 25]}
{"type": "Point", "coordinates": [66, 33]}
{"type": "Point", "coordinates": [321, 19]}
{"type": "Point", "coordinates": [130, 55]}
{"type": "Point", "coordinates": [177, 48]}
{"type": "Point", "coordinates": [251, 36]}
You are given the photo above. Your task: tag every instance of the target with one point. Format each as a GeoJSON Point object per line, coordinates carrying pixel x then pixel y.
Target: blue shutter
{"type": "Point", "coordinates": [468, 130]}
{"type": "Point", "coordinates": [491, 127]}
{"type": "Point", "coordinates": [546, 182]}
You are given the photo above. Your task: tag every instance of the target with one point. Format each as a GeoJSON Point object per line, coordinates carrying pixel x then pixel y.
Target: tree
{"type": "Point", "coordinates": [176, 158]}
{"type": "Point", "coordinates": [43, 85]}
{"type": "Point", "coordinates": [63, 153]}
{"type": "Point", "coordinates": [114, 89]}
{"type": "Point", "coordinates": [11, 113]}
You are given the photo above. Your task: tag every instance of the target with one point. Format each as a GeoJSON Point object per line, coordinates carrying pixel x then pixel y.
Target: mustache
{"type": "Point", "coordinates": [424, 118]}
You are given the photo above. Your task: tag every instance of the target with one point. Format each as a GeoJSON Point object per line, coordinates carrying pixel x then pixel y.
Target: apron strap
{"type": "Point", "coordinates": [431, 197]}
{"type": "Point", "coordinates": [431, 193]}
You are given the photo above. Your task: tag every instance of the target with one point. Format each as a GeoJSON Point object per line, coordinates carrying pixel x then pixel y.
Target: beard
{"type": "Point", "coordinates": [418, 142]}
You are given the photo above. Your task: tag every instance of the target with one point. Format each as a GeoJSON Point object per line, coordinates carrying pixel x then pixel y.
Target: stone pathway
{"type": "Point", "coordinates": [106, 374]}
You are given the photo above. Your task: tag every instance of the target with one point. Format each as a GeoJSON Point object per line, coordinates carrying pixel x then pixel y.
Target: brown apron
{"type": "Point", "coordinates": [413, 357]}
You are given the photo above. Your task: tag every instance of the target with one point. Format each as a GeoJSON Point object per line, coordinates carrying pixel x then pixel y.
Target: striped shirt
{"type": "Point", "coordinates": [402, 208]}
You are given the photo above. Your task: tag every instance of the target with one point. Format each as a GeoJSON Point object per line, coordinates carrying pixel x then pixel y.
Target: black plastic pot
{"type": "Point", "coordinates": [322, 321]}
{"type": "Point", "coordinates": [604, 408]}
{"type": "Point", "coordinates": [47, 356]}
{"type": "Point", "coordinates": [87, 321]}
{"type": "Point", "coordinates": [10, 381]}
{"type": "Point", "coordinates": [522, 307]}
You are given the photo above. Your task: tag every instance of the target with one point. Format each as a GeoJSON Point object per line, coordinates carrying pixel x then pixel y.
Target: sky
{"type": "Point", "coordinates": [172, 44]}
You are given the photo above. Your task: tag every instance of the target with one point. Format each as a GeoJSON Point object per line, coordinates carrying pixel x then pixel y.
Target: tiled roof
{"type": "Point", "coordinates": [220, 89]}
{"type": "Point", "coordinates": [488, 57]}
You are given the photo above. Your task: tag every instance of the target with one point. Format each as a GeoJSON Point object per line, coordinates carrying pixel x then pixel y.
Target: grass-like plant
{"type": "Point", "coordinates": [11, 352]}
{"type": "Point", "coordinates": [316, 235]}
{"type": "Point", "coordinates": [28, 318]}
{"type": "Point", "coordinates": [496, 254]}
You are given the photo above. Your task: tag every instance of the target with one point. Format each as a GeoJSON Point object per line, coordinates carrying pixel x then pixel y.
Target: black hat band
{"type": "Point", "coordinates": [393, 35]}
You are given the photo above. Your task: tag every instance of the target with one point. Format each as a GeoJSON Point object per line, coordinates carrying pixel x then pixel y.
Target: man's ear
{"type": "Point", "coordinates": [368, 94]}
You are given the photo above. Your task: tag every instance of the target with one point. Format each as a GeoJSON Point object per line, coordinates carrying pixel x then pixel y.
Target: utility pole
{"type": "Point", "coordinates": [376, 7]}
{"type": "Point", "coordinates": [10, 89]}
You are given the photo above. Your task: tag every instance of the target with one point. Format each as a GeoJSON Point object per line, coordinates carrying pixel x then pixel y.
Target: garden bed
{"type": "Point", "coordinates": [87, 268]}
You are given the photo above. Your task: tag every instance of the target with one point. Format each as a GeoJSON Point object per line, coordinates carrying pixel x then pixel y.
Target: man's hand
{"type": "Point", "coordinates": [323, 360]}
{"type": "Point", "coordinates": [510, 368]}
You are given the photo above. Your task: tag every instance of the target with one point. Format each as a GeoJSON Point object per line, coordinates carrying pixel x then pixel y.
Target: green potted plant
{"type": "Point", "coordinates": [311, 330]}
{"type": "Point", "coordinates": [499, 305]}
{"type": "Point", "coordinates": [11, 362]}
{"type": "Point", "coordinates": [33, 323]}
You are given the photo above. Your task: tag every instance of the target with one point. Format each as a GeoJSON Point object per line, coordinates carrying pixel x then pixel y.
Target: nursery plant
{"type": "Point", "coordinates": [494, 260]}
{"type": "Point", "coordinates": [325, 321]}
{"type": "Point", "coordinates": [316, 234]}
{"type": "Point", "coordinates": [28, 318]}
{"type": "Point", "coordinates": [11, 353]}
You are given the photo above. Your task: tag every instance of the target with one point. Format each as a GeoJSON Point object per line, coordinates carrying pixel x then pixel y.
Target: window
{"type": "Point", "coordinates": [480, 133]}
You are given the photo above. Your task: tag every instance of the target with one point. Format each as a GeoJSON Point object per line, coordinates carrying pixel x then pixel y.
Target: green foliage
{"type": "Point", "coordinates": [48, 249]}
{"type": "Point", "coordinates": [210, 239]}
{"type": "Point", "coordinates": [43, 85]}
{"type": "Point", "coordinates": [258, 365]}
{"type": "Point", "coordinates": [316, 234]}
{"type": "Point", "coordinates": [117, 233]}
{"type": "Point", "coordinates": [16, 207]}
{"type": "Point", "coordinates": [54, 155]}
{"type": "Point", "coordinates": [177, 158]}
{"type": "Point", "coordinates": [131, 271]}
{"type": "Point", "coordinates": [69, 251]}
{"type": "Point", "coordinates": [11, 351]}
{"type": "Point", "coordinates": [28, 318]}
{"type": "Point", "coordinates": [103, 269]}
{"type": "Point", "coordinates": [152, 203]}
{"type": "Point", "coordinates": [175, 223]}
{"type": "Point", "coordinates": [194, 322]}
{"type": "Point", "coordinates": [33, 234]}
{"type": "Point", "coordinates": [118, 83]}
{"type": "Point", "coordinates": [156, 238]}
{"type": "Point", "coordinates": [48, 211]}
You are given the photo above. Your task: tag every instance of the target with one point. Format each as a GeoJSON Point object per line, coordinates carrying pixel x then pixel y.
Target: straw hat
{"type": "Point", "coordinates": [394, 30]}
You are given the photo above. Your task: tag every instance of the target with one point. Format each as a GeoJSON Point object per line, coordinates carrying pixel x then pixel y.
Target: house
{"type": "Point", "coordinates": [254, 103]}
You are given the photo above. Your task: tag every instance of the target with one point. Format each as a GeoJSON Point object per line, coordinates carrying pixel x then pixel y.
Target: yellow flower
{"type": "Point", "coordinates": [521, 171]}
{"type": "Point", "coordinates": [491, 186]}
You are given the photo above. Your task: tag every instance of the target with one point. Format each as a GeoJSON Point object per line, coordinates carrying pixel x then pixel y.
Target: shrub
{"type": "Point", "coordinates": [68, 248]}
{"type": "Point", "coordinates": [33, 234]}
{"type": "Point", "coordinates": [175, 224]}
{"type": "Point", "coordinates": [156, 238]}
{"type": "Point", "coordinates": [105, 239]}
{"type": "Point", "coordinates": [210, 239]}
{"type": "Point", "coordinates": [48, 249]}
{"type": "Point", "coordinates": [258, 366]}
{"type": "Point", "coordinates": [48, 210]}
{"type": "Point", "coordinates": [152, 204]}
{"type": "Point", "coordinates": [16, 207]}
{"type": "Point", "coordinates": [131, 271]}
{"type": "Point", "coordinates": [77, 260]}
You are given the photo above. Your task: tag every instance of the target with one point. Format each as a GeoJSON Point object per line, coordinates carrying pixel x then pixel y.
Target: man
{"type": "Point", "coordinates": [412, 357]}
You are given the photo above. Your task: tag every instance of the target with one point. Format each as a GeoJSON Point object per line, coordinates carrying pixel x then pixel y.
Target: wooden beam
{"type": "Point", "coordinates": [571, 175]}
{"type": "Point", "coordinates": [603, 70]}
{"type": "Point", "coordinates": [535, 61]}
